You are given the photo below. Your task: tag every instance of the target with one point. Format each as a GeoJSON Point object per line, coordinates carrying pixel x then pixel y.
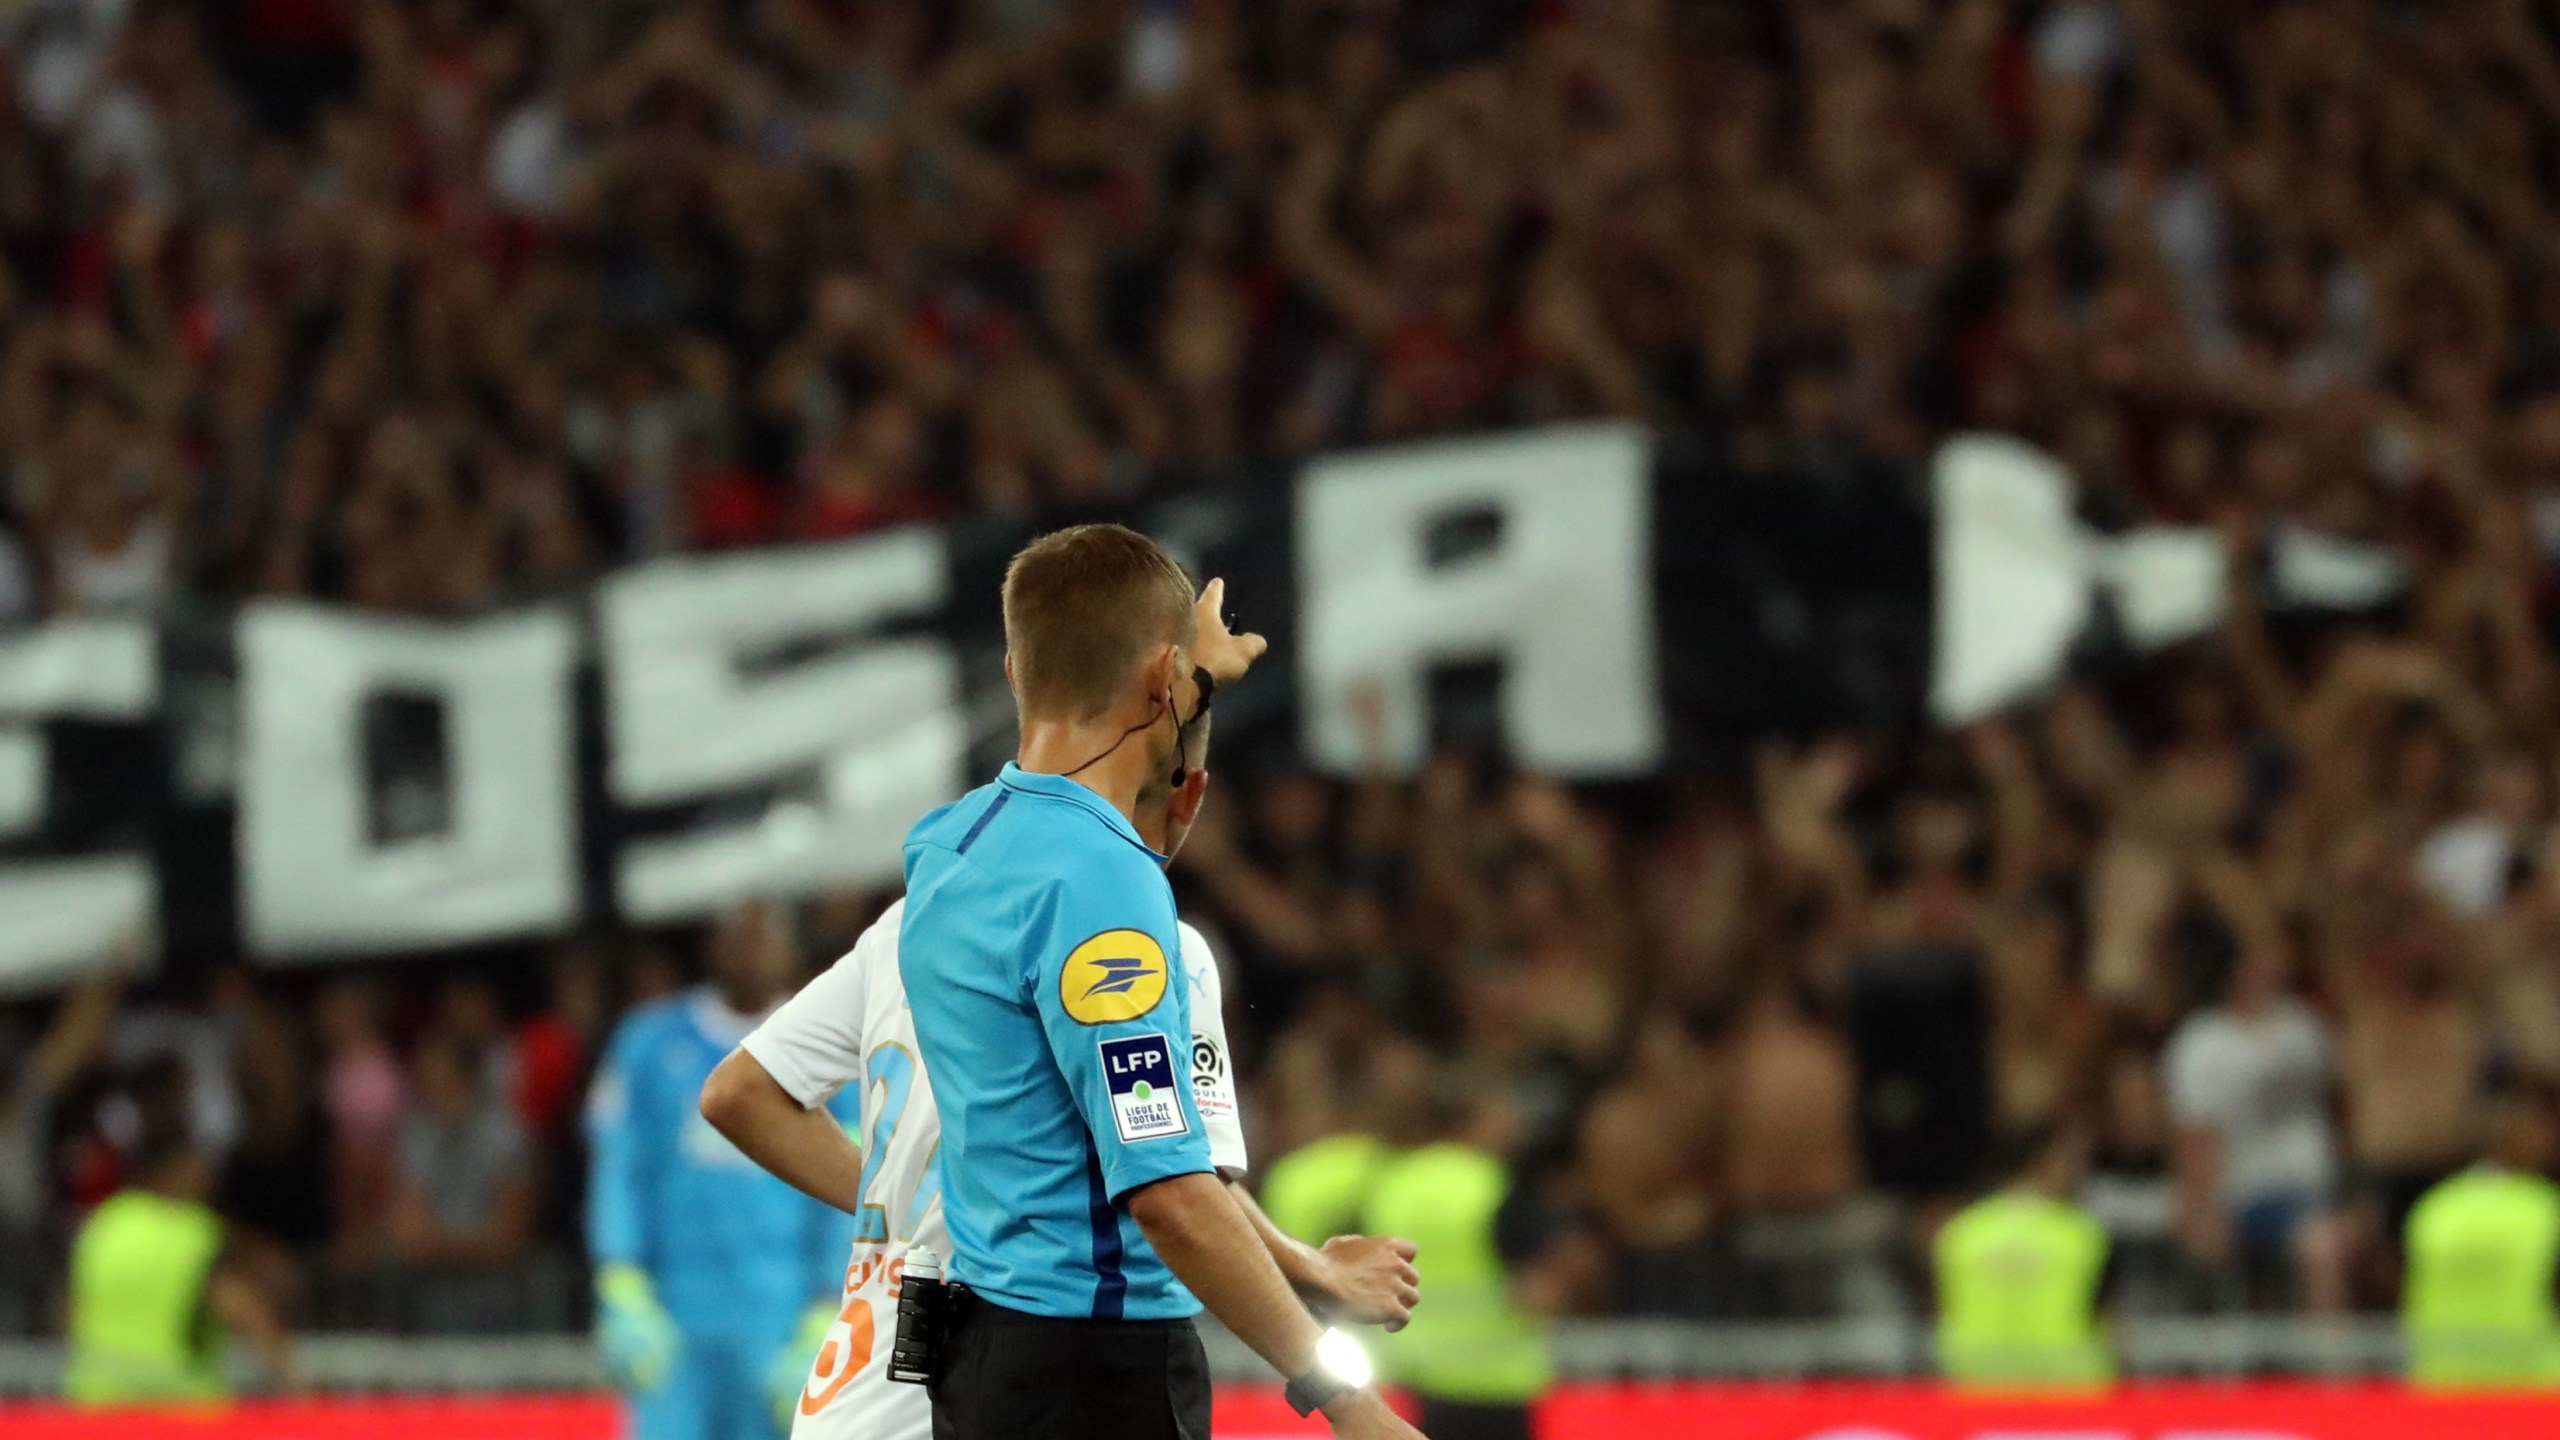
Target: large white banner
{"type": "Point", "coordinates": [318, 874]}
{"type": "Point", "coordinates": [61, 915]}
{"type": "Point", "coordinates": [766, 671]}
{"type": "Point", "coordinates": [2019, 577]}
{"type": "Point", "coordinates": [1559, 592]}
{"type": "Point", "coordinates": [771, 723]}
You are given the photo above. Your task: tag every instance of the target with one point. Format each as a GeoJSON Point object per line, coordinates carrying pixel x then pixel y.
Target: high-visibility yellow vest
{"type": "Point", "coordinates": [2018, 1280]}
{"type": "Point", "coordinates": [1318, 1190]}
{"type": "Point", "coordinates": [1468, 1342]}
{"type": "Point", "coordinates": [139, 1328]}
{"type": "Point", "coordinates": [2477, 1304]}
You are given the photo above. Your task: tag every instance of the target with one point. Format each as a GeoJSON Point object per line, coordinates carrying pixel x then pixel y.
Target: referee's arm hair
{"type": "Point", "coordinates": [807, 1147]}
{"type": "Point", "coordinates": [1365, 1279]}
{"type": "Point", "coordinates": [1204, 1237]}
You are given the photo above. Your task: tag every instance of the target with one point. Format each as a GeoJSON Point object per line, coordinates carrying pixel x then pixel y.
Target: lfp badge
{"type": "Point", "coordinates": [1145, 1105]}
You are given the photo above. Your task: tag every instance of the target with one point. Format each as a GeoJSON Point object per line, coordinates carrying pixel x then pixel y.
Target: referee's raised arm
{"type": "Point", "coordinates": [1042, 963]}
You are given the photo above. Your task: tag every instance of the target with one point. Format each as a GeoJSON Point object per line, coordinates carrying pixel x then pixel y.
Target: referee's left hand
{"type": "Point", "coordinates": [1371, 1279]}
{"type": "Point", "coordinates": [1224, 655]}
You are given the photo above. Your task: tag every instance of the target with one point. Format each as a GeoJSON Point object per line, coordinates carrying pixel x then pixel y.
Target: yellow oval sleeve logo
{"type": "Point", "coordinates": [1116, 975]}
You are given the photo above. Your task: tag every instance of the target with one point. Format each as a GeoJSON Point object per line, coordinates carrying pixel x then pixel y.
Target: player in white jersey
{"type": "Point", "coordinates": [851, 1026]}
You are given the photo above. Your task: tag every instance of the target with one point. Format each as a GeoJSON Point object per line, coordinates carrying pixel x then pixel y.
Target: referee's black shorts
{"type": "Point", "coordinates": [1011, 1376]}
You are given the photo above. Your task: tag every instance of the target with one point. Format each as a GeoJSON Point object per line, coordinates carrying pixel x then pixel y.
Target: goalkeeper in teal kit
{"type": "Point", "coordinates": [705, 1265]}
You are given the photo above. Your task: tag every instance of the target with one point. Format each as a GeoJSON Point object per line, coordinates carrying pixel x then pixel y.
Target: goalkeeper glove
{"type": "Point", "coordinates": [635, 1334]}
{"type": "Point", "coordinates": [786, 1379]}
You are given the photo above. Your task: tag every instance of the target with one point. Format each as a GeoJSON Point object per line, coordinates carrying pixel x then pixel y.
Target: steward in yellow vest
{"type": "Point", "coordinates": [152, 1297]}
{"type": "Point", "coordinates": [2482, 1250]}
{"type": "Point", "coordinates": [1321, 1189]}
{"type": "Point", "coordinates": [1472, 1355]}
{"type": "Point", "coordinates": [2019, 1278]}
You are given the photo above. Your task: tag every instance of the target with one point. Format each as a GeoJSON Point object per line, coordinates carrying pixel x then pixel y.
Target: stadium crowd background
{"type": "Point", "coordinates": [416, 306]}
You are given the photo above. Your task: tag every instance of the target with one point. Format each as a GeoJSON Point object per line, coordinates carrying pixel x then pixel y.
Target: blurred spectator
{"type": "Point", "coordinates": [116, 531]}
{"type": "Point", "coordinates": [71, 1042]}
{"type": "Point", "coordinates": [469, 1013]}
{"type": "Point", "coordinates": [1789, 1162]}
{"type": "Point", "coordinates": [2523, 984]}
{"type": "Point", "coordinates": [2468, 860]}
{"type": "Point", "coordinates": [555, 1046]}
{"type": "Point", "coordinates": [1790, 1145]}
{"type": "Point", "coordinates": [1646, 1143]}
{"type": "Point", "coordinates": [366, 1099]}
{"type": "Point", "coordinates": [466, 1191]}
{"type": "Point", "coordinates": [198, 1037]}
{"type": "Point", "coordinates": [2130, 1189]}
{"type": "Point", "coordinates": [2249, 1081]}
{"type": "Point", "coordinates": [651, 973]}
{"type": "Point", "coordinates": [269, 1183]}
{"type": "Point", "coordinates": [2043, 1027]}
{"type": "Point", "coordinates": [2412, 1051]}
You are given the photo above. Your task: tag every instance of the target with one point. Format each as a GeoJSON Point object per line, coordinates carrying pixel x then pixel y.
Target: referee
{"type": "Point", "coordinates": [1041, 962]}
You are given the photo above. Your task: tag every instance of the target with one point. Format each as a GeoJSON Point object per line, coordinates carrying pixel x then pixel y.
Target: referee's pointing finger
{"type": "Point", "coordinates": [1225, 655]}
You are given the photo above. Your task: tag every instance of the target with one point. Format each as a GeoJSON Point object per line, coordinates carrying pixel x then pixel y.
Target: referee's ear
{"type": "Point", "coordinates": [1182, 809]}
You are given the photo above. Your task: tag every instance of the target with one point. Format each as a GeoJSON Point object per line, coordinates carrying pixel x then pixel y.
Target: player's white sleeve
{"type": "Point", "coordinates": [812, 1045]}
{"type": "Point", "coordinates": [1213, 1086]}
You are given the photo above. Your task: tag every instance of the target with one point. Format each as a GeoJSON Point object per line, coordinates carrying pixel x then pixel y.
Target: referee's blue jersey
{"type": "Point", "coordinates": [1043, 967]}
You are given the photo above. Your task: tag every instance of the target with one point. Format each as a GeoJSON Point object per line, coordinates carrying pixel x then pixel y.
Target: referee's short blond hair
{"type": "Point", "coordinates": [1083, 607]}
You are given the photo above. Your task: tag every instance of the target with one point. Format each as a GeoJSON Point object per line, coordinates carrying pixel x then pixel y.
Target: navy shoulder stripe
{"type": "Point", "coordinates": [983, 817]}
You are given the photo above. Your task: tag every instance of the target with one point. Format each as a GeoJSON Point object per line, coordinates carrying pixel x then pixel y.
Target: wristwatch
{"type": "Point", "coordinates": [1341, 1367]}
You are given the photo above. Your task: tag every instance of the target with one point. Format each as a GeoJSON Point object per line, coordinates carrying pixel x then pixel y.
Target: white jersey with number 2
{"type": "Point", "coordinates": [850, 1026]}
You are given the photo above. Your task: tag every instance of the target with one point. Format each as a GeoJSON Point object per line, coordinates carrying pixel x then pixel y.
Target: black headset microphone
{"type": "Point", "coordinates": [1182, 726]}
{"type": "Point", "coordinates": [1208, 684]}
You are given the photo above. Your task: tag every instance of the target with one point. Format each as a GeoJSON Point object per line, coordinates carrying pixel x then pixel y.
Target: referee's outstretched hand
{"type": "Point", "coordinates": [1371, 1279]}
{"type": "Point", "coordinates": [1224, 655]}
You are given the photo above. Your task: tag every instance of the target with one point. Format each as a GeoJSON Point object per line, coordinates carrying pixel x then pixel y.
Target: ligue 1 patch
{"type": "Point", "coordinates": [1209, 1079]}
{"type": "Point", "coordinates": [1144, 1103]}
{"type": "Point", "coordinates": [1208, 1062]}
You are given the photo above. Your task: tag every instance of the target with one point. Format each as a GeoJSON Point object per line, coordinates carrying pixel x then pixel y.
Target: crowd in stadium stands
{"type": "Point", "coordinates": [412, 305]}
